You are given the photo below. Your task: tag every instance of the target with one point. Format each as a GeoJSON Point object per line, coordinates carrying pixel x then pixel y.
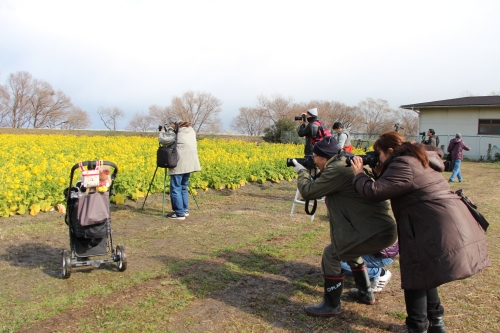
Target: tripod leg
{"type": "Point", "coordinates": [151, 183]}
{"type": "Point", "coordinates": [164, 186]}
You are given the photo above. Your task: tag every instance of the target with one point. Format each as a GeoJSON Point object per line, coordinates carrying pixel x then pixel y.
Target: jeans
{"type": "Point", "coordinates": [418, 304]}
{"type": "Point", "coordinates": [179, 193]}
{"type": "Point", "coordinates": [456, 170]}
{"type": "Point", "coordinates": [373, 263]}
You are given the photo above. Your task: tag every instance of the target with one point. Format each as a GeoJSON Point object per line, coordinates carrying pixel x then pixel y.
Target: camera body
{"type": "Point", "coordinates": [307, 162]}
{"type": "Point", "coordinates": [422, 133]}
{"type": "Point", "coordinates": [370, 159]}
{"type": "Point", "coordinates": [302, 117]}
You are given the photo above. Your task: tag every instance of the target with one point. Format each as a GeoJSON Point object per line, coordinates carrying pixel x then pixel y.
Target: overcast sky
{"type": "Point", "coordinates": [133, 54]}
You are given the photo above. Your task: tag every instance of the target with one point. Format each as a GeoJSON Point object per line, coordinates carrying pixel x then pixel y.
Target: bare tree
{"type": "Point", "coordinates": [466, 93]}
{"type": "Point", "coordinates": [110, 116]}
{"type": "Point", "coordinates": [142, 122]}
{"type": "Point", "coordinates": [407, 121]}
{"type": "Point", "coordinates": [251, 121]}
{"type": "Point", "coordinates": [495, 93]}
{"type": "Point", "coordinates": [200, 109]}
{"type": "Point", "coordinates": [160, 114]}
{"type": "Point", "coordinates": [377, 115]}
{"type": "Point", "coordinates": [76, 118]}
{"type": "Point", "coordinates": [277, 107]}
{"type": "Point", "coordinates": [48, 108]}
{"type": "Point", "coordinates": [17, 102]}
{"type": "Point", "coordinates": [330, 112]}
{"type": "Point", "coordinates": [4, 97]}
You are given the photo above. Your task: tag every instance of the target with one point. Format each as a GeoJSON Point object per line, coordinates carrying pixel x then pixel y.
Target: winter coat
{"type": "Point", "coordinates": [353, 219]}
{"type": "Point", "coordinates": [456, 148]}
{"type": "Point", "coordinates": [439, 240]}
{"type": "Point", "coordinates": [187, 149]}
{"type": "Point", "coordinates": [344, 138]}
{"type": "Point", "coordinates": [308, 131]}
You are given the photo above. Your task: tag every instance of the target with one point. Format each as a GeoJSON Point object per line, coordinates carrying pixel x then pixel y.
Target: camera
{"type": "Point", "coordinates": [370, 159]}
{"type": "Point", "coordinates": [307, 162]}
{"type": "Point", "coordinates": [422, 133]}
{"type": "Point", "coordinates": [303, 117]}
{"type": "Point", "coordinates": [160, 127]}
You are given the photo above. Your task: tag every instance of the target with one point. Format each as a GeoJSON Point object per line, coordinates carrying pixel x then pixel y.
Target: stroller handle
{"type": "Point", "coordinates": [91, 165]}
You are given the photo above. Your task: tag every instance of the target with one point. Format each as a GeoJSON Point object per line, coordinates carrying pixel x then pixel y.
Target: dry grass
{"type": "Point", "coordinates": [239, 264]}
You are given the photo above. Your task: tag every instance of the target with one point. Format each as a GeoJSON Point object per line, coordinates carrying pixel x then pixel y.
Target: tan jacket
{"type": "Point", "coordinates": [188, 152]}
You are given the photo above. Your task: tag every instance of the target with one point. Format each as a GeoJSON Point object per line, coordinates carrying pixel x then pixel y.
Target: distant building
{"type": "Point", "coordinates": [477, 118]}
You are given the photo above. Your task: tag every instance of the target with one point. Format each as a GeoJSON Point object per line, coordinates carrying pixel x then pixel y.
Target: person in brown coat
{"type": "Point", "coordinates": [440, 241]}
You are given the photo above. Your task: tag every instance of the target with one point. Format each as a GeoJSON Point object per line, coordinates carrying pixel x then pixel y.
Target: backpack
{"type": "Point", "coordinates": [167, 156]}
{"type": "Point", "coordinates": [437, 141]}
{"type": "Point", "coordinates": [322, 132]}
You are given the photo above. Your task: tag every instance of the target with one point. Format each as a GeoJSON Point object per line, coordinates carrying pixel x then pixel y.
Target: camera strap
{"type": "Point", "coordinates": [315, 205]}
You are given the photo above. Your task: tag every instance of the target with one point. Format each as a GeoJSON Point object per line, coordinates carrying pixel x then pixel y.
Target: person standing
{"type": "Point", "coordinates": [456, 148]}
{"type": "Point", "coordinates": [343, 137]}
{"type": "Point", "coordinates": [189, 162]}
{"type": "Point", "coordinates": [357, 226]}
{"type": "Point", "coordinates": [312, 129]}
{"type": "Point", "coordinates": [432, 141]}
{"type": "Point", "coordinates": [439, 240]}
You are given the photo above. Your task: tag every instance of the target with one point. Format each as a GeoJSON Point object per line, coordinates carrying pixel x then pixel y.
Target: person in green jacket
{"type": "Point", "coordinates": [357, 226]}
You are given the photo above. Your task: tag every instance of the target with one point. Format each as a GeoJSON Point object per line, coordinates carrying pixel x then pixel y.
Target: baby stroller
{"type": "Point", "coordinates": [88, 218]}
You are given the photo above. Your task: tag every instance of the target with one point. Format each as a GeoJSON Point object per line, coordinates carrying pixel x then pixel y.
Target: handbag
{"type": "Point", "coordinates": [448, 165]}
{"type": "Point", "coordinates": [168, 156]}
{"type": "Point", "coordinates": [473, 210]}
{"type": "Point", "coordinates": [90, 177]}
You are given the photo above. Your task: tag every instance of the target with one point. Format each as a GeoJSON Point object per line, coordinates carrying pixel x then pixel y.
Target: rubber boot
{"type": "Point", "coordinates": [330, 306]}
{"type": "Point", "coordinates": [363, 291]}
{"type": "Point", "coordinates": [436, 323]}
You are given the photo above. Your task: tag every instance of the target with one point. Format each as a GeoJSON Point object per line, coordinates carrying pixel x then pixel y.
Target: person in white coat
{"type": "Point", "coordinates": [189, 162]}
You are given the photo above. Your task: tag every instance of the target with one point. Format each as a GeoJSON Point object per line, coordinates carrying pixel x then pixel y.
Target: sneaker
{"type": "Point", "coordinates": [382, 281]}
{"type": "Point", "coordinates": [186, 213]}
{"type": "Point", "coordinates": [175, 216]}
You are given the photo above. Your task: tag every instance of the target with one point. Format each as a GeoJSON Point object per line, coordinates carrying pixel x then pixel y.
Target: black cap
{"type": "Point", "coordinates": [337, 124]}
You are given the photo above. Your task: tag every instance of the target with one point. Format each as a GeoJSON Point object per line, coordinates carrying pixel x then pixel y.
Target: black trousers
{"type": "Point", "coordinates": [418, 304]}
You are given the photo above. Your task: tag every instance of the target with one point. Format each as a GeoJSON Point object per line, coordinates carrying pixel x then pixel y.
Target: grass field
{"type": "Point", "coordinates": [238, 264]}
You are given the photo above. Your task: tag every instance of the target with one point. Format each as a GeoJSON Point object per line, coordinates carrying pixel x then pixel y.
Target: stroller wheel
{"type": "Point", "coordinates": [66, 265]}
{"type": "Point", "coordinates": [122, 255]}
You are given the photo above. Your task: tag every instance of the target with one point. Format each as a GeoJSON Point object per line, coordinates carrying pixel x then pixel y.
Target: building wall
{"type": "Point", "coordinates": [448, 121]}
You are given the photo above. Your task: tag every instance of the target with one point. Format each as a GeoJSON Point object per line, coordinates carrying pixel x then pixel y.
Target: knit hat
{"type": "Point", "coordinates": [313, 112]}
{"type": "Point", "coordinates": [458, 135]}
{"type": "Point", "coordinates": [328, 147]}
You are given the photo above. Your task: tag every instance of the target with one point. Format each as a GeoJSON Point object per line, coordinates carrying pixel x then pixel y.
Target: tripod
{"type": "Point", "coordinates": [164, 187]}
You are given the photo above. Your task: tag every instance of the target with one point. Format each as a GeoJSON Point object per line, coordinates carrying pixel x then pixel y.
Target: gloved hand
{"type": "Point", "coordinates": [297, 166]}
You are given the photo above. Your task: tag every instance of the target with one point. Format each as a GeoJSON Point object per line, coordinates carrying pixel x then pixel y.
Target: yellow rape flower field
{"type": "Point", "coordinates": [35, 169]}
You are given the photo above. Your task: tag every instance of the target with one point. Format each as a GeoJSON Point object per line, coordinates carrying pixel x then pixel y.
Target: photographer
{"type": "Point", "coordinates": [343, 137]}
{"type": "Point", "coordinates": [312, 129]}
{"type": "Point", "coordinates": [352, 233]}
{"type": "Point", "coordinates": [188, 162]}
{"type": "Point", "coordinates": [432, 141]}
{"type": "Point", "coordinates": [439, 240]}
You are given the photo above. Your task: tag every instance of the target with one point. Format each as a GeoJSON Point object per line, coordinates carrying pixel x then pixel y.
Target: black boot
{"type": "Point", "coordinates": [330, 306]}
{"type": "Point", "coordinates": [436, 323]}
{"type": "Point", "coordinates": [363, 291]}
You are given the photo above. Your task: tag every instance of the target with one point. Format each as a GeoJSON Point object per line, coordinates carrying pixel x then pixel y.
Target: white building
{"type": "Point", "coordinates": [477, 118]}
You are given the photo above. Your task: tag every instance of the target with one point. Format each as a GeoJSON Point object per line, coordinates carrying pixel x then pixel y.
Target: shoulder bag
{"type": "Point", "coordinates": [473, 210]}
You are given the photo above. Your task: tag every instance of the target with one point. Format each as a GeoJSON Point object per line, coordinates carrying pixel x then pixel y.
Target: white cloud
{"type": "Point", "coordinates": [135, 54]}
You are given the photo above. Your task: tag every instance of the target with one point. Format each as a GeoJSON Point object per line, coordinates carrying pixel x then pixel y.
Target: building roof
{"type": "Point", "coordinates": [473, 101]}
